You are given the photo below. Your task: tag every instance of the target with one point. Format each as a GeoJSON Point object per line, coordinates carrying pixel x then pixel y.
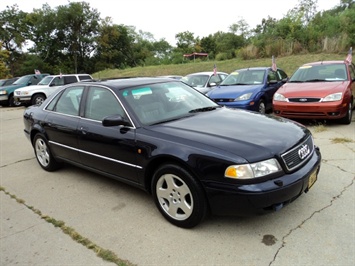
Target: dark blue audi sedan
{"type": "Point", "coordinates": [192, 155]}
{"type": "Point", "coordinates": [249, 88]}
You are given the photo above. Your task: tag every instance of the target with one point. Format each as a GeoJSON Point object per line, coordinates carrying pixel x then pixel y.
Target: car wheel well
{"type": "Point", "coordinates": [155, 164]}
{"type": "Point", "coordinates": [33, 134]}
{"type": "Point", "coordinates": [38, 93]}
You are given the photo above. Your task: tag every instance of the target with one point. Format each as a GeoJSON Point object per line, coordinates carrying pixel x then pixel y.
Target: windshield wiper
{"type": "Point", "coordinates": [234, 84]}
{"type": "Point", "coordinates": [204, 109]}
{"type": "Point", "coordinates": [296, 81]}
{"type": "Point", "coordinates": [315, 80]}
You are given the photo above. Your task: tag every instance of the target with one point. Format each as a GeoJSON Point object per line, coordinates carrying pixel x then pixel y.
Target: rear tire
{"type": "Point", "coordinates": [43, 154]}
{"type": "Point", "coordinates": [179, 196]}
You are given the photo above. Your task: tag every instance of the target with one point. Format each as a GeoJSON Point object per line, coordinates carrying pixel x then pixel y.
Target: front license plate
{"type": "Point", "coordinates": [312, 179]}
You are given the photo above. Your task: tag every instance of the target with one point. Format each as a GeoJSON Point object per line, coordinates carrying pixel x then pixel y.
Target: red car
{"type": "Point", "coordinates": [318, 90]}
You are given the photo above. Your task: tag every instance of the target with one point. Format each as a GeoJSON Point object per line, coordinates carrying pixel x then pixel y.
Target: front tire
{"type": "Point", "coordinates": [261, 107]}
{"type": "Point", "coordinates": [12, 102]}
{"type": "Point", "coordinates": [178, 196]}
{"type": "Point", "coordinates": [43, 154]}
{"type": "Point", "coordinates": [346, 120]}
{"type": "Point", "coordinates": [38, 99]}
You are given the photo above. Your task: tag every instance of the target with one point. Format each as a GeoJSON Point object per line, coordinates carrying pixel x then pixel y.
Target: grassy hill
{"type": "Point", "coordinates": [287, 63]}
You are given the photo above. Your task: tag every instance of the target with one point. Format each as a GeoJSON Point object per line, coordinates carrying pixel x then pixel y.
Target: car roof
{"type": "Point", "coordinates": [65, 75]}
{"type": "Point", "coordinates": [122, 83]}
{"type": "Point", "coordinates": [253, 68]}
{"type": "Point", "coordinates": [325, 62]}
{"type": "Point", "coordinates": [206, 73]}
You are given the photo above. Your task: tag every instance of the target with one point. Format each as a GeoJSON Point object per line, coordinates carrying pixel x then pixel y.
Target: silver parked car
{"type": "Point", "coordinates": [204, 81]}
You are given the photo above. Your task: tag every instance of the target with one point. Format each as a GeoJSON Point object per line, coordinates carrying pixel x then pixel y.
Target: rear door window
{"type": "Point", "coordinates": [85, 77]}
{"type": "Point", "coordinates": [70, 79]}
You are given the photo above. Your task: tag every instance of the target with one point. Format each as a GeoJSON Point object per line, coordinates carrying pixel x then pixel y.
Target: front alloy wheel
{"type": "Point", "coordinates": [178, 196]}
{"type": "Point", "coordinates": [38, 99]}
{"type": "Point", "coordinates": [261, 107]}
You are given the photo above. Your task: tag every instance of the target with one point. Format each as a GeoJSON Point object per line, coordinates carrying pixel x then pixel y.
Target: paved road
{"type": "Point", "coordinates": [316, 229]}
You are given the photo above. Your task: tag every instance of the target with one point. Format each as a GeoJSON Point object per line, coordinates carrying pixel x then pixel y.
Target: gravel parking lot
{"type": "Point", "coordinates": [316, 229]}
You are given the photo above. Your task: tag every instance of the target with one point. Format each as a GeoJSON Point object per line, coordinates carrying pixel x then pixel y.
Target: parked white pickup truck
{"type": "Point", "coordinates": [36, 94]}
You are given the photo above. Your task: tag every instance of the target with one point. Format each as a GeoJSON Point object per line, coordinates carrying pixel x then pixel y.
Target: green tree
{"type": "Point", "coordinates": [77, 28]}
{"type": "Point", "coordinates": [12, 34]}
{"type": "Point", "coordinates": [185, 42]}
{"type": "Point", "coordinates": [209, 45]}
{"type": "Point", "coordinates": [241, 28]}
{"type": "Point", "coordinates": [114, 46]}
{"type": "Point", "coordinates": [47, 45]}
{"type": "Point", "coordinates": [4, 70]}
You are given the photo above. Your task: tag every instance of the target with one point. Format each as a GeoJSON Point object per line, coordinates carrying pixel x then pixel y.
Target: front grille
{"type": "Point", "coordinates": [223, 100]}
{"type": "Point", "coordinates": [303, 114]}
{"type": "Point", "coordinates": [297, 156]}
{"type": "Point", "coordinates": [304, 100]}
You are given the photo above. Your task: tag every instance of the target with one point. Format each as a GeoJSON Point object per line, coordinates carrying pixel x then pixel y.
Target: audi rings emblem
{"type": "Point", "coordinates": [303, 151]}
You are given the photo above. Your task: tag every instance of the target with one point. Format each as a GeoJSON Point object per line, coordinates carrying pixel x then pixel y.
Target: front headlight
{"type": "Point", "coordinates": [279, 97]}
{"type": "Point", "coordinates": [333, 97]}
{"type": "Point", "coordinates": [244, 97]}
{"type": "Point", "coordinates": [3, 92]}
{"type": "Point", "coordinates": [247, 171]}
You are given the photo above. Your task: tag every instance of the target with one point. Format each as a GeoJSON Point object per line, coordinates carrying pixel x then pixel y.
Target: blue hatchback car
{"type": "Point", "coordinates": [249, 88]}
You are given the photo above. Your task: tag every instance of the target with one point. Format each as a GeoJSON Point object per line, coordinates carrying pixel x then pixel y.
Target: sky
{"type": "Point", "coordinates": [166, 18]}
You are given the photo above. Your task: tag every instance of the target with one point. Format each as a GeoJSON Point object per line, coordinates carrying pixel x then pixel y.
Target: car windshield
{"type": "Point", "coordinates": [163, 102]}
{"type": "Point", "coordinates": [320, 73]}
{"type": "Point", "coordinates": [22, 81]}
{"type": "Point", "coordinates": [244, 77]}
{"type": "Point", "coordinates": [45, 81]}
{"type": "Point", "coordinates": [195, 80]}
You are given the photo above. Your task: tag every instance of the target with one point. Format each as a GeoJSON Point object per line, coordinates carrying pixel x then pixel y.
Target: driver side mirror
{"type": "Point", "coordinates": [115, 120]}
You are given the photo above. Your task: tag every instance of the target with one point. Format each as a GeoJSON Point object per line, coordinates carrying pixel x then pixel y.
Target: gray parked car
{"type": "Point", "coordinates": [204, 81]}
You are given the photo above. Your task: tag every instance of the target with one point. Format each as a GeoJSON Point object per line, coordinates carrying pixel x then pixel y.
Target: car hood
{"type": "Point", "coordinates": [12, 87]}
{"type": "Point", "coordinates": [202, 89]}
{"type": "Point", "coordinates": [31, 87]}
{"type": "Point", "coordinates": [249, 135]}
{"type": "Point", "coordinates": [312, 89]}
{"type": "Point", "coordinates": [233, 91]}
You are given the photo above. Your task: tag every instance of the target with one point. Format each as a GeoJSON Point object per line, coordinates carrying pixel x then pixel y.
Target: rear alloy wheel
{"type": "Point", "coordinates": [347, 119]}
{"type": "Point", "coordinates": [178, 196]}
{"type": "Point", "coordinates": [38, 99]}
{"type": "Point", "coordinates": [43, 153]}
{"type": "Point", "coordinates": [261, 107]}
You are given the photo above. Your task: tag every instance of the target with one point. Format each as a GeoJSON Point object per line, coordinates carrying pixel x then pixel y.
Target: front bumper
{"type": "Point", "coordinates": [333, 110]}
{"type": "Point", "coordinates": [4, 98]}
{"type": "Point", "coordinates": [24, 100]}
{"type": "Point", "coordinates": [268, 196]}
